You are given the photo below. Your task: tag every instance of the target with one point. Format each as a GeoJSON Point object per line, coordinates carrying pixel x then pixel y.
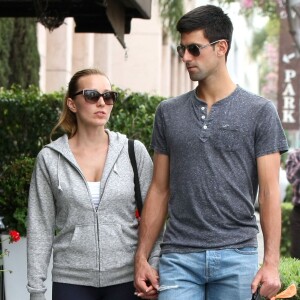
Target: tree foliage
{"type": "Point", "coordinates": [19, 57]}
{"type": "Point", "coordinates": [6, 33]}
{"type": "Point", "coordinates": [171, 11]}
{"type": "Point", "coordinates": [262, 7]}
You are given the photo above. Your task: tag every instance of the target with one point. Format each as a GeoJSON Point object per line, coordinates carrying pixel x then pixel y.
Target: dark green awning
{"type": "Point", "coordinates": [101, 16]}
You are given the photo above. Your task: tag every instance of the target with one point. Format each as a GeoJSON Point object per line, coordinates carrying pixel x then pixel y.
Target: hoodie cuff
{"type": "Point", "coordinates": [39, 296]}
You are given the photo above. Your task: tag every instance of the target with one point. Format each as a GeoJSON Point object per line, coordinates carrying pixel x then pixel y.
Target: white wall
{"type": "Point", "coordinates": [149, 64]}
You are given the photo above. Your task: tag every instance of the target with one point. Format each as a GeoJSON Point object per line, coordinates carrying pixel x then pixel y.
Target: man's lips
{"type": "Point", "coordinates": [190, 68]}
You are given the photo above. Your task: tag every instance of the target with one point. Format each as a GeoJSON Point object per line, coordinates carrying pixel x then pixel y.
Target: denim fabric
{"type": "Point", "coordinates": [208, 275]}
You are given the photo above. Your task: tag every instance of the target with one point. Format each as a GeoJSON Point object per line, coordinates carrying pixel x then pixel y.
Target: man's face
{"type": "Point", "coordinates": [200, 66]}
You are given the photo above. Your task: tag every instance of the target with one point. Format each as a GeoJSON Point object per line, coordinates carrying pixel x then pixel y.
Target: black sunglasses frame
{"type": "Point", "coordinates": [93, 96]}
{"type": "Point", "coordinates": [193, 49]}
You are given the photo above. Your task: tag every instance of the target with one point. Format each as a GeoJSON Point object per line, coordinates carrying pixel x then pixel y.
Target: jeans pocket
{"type": "Point", "coordinates": [246, 250]}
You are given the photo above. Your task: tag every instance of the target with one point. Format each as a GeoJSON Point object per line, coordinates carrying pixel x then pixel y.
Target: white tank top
{"type": "Point", "coordinates": [95, 192]}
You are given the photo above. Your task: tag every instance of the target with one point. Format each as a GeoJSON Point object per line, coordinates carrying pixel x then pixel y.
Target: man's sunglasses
{"type": "Point", "coordinates": [193, 49]}
{"type": "Point", "coordinates": [93, 96]}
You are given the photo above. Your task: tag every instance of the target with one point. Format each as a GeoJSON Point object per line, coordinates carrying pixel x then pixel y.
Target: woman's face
{"type": "Point", "coordinates": [91, 114]}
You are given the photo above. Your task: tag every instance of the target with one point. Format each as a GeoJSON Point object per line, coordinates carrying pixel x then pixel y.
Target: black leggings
{"type": "Point", "coordinates": [65, 291]}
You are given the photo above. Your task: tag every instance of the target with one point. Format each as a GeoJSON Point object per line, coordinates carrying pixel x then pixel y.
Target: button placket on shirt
{"type": "Point", "coordinates": [203, 117]}
{"type": "Point", "coordinates": [206, 123]}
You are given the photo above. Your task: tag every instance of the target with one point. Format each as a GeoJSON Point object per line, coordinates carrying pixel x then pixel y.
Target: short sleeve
{"type": "Point", "coordinates": [269, 134]}
{"type": "Point", "coordinates": [159, 143]}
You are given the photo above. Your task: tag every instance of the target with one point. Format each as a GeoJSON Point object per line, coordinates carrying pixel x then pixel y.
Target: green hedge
{"type": "Point", "coordinates": [15, 182]}
{"type": "Point", "coordinates": [289, 270]}
{"type": "Point", "coordinates": [286, 209]}
{"type": "Point", "coordinates": [27, 117]}
{"type": "Point", "coordinates": [133, 115]}
{"type": "Point", "coordinates": [290, 273]}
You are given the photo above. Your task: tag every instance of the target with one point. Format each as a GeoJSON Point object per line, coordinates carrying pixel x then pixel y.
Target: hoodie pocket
{"type": "Point", "coordinates": [116, 248]}
{"type": "Point", "coordinates": [81, 252]}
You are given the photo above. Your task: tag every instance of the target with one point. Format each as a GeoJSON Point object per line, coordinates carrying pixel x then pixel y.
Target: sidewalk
{"type": "Point", "coordinates": [260, 240]}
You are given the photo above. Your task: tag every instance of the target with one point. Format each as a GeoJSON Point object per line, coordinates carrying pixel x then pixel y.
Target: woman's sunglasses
{"type": "Point", "coordinates": [93, 96]}
{"type": "Point", "coordinates": [193, 49]}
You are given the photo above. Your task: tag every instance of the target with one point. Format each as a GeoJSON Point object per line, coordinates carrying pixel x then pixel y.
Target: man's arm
{"type": "Point", "coordinates": [152, 221]}
{"type": "Point", "coordinates": [270, 216]}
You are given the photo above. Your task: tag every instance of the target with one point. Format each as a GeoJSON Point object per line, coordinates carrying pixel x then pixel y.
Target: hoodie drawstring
{"type": "Point", "coordinates": [58, 161]}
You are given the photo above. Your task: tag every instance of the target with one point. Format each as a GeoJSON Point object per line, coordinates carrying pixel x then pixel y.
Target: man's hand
{"type": "Point", "coordinates": [145, 280]}
{"type": "Point", "coordinates": [268, 279]}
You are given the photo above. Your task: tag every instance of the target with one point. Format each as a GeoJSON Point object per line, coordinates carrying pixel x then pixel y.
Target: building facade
{"type": "Point", "coordinates": [149, 63]}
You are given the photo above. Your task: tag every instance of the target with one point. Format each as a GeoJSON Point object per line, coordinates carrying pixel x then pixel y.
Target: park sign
{"type": "Point", "coordinates": [289, 77]}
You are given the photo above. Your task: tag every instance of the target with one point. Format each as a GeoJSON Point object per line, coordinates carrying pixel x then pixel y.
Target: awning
{"type": "Point", "coordinates": [101, 16]}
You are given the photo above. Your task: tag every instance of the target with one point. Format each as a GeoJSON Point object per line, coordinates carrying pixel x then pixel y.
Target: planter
{"type": "Point", "coordinates": [15, 282]}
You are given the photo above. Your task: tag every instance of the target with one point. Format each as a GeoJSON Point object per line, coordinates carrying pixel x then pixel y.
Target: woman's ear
{"type": "Point", "coordinates": [71, 104]}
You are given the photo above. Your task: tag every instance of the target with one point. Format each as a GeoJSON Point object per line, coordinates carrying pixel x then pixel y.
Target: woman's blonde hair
{"type": "Point", "coordinates": [67, 121]}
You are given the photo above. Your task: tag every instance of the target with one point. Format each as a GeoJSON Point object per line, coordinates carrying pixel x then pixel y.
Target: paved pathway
{"type": "Point", "coordinates": [260, 240]}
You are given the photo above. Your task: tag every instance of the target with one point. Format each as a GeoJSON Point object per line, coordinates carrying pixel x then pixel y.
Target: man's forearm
{"type": "Point", "coordinates": [270, 216]}
{"type": "Point", "coordinates": [152, 222]}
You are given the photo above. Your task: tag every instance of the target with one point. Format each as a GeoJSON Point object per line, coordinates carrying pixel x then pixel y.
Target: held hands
{"type": "Point", "coordinates": [146, 280]}
{"type": "Point", "coordinates": [268, 279]}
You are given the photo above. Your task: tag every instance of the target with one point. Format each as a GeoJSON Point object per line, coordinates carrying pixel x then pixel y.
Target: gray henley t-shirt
{"type": "Point", "coordinates": [213, 169]}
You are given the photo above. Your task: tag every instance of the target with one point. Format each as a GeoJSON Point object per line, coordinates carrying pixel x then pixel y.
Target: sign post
{"type": "Point", "coordinates": [289, 76]}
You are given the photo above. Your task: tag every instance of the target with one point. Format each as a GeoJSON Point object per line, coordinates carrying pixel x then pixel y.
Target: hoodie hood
{"type": "Point", "coordinates": [62, 147]}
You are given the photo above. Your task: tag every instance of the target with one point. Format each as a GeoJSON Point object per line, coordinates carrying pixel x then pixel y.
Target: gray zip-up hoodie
{"type": "Point", "coordinates": [90, 247]}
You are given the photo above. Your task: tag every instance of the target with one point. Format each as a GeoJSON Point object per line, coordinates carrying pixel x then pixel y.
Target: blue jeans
{"type": "Point", "coordinates": [208, 275]}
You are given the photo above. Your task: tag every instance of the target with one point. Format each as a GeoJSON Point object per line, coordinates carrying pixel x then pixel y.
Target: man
{"type": "Point", "coordinates": [293, 176]}
{"type": "Point", "coordinates": [213, 147]}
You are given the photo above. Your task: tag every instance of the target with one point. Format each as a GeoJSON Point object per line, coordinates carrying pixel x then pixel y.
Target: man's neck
{"type": "Point", "coordinates": [212, 91]}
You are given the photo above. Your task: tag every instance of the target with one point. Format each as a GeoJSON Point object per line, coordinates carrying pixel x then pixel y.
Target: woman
{"type": "Point", "coordinates": [82, 203]}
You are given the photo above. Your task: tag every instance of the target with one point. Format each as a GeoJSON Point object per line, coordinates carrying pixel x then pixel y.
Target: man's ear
{"type": "Point", "coordinates": [71, 104]}
{"type": "Point", "coordinates": [222, 48]}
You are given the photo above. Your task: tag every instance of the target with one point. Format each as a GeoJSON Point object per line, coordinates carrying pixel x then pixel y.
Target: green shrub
{"type": "Point", "coordinates": [285, 245]}
{"type": "Point", "coordinates": [15, 182]}
{"type": "Point", "coordinates": [133, 115]}
{"type": "Point", "coordinates": [289, 269]}
{"type": "Point", "coordinates": [290, 273]}
{"type": "Point", "coordinates": [289, 193]}
{"type": "Point", "coordinates": [26, 119]}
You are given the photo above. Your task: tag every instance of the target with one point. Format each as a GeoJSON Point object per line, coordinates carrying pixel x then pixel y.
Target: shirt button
{"type": "Point", "coordinates": [205, 127]}
{"type": "Point", "coordinates": [202, 108]}
{"type": "Point", "coordinates": [203, 117]}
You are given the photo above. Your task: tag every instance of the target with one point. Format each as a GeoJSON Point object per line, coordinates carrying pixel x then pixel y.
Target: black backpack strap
{"type": "Point", "coordinates": [137, 189]}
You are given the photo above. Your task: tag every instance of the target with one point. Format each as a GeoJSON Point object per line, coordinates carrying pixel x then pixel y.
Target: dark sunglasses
{"type": "Point", "coordinates": [93, 96]}
{"type": "Point", "coordinates": [193, 49]}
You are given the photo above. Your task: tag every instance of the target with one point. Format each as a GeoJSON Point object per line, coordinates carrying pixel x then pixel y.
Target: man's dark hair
{"type": "Point", "coordinates": [216, 25]}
